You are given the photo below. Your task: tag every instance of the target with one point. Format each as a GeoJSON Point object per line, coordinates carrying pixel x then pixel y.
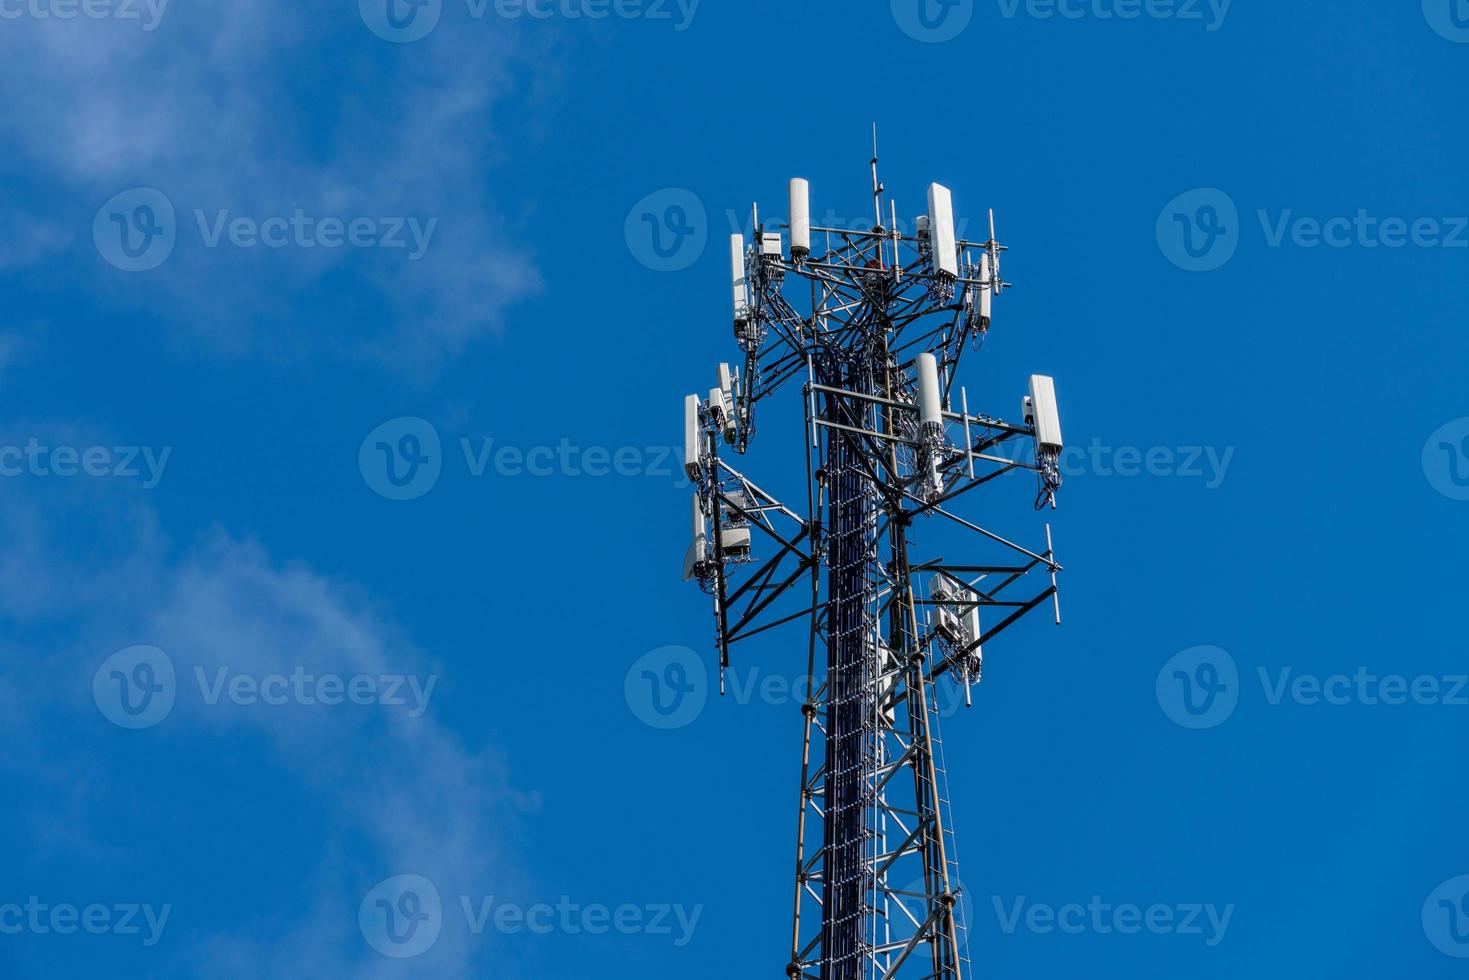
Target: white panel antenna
{"type": "Point", "coordinates": [737, 277]}
{"type": "Point", "coordinates": [698, 544]}
{"type": "Point", "coordinates": [693, 437]}
{"type": "Point", "coordinates": [718, 409]}
{"type": "Point", "coordinates": [728, 386]}
{"type": "Point", "coordinates": [1043, 408]}
{"type": "Point", "coordinates": [941, 217]}
{"type": "Point", "coordinates": [986, 292]}
{"type": "Point", "coordinates": [1042, 414]}
{"type": "Point", "coordinates": [726, 381]}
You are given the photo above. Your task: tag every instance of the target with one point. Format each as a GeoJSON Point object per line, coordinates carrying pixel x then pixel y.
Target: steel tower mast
{"type": "Point", "coordinates": [875, 322]}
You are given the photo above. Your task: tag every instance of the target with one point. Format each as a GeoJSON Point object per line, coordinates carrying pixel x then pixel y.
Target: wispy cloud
{"type": "Point", "coordinates": [258, 110]}
{"type": "Point", "coordinates": [399, 793]}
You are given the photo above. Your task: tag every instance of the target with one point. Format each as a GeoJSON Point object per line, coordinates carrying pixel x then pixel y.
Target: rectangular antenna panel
{"type": "Point", "coordinates": [941, 218]}
{"type": "Point", "coordinates": [986, 292]}
{"type": "Point", "coordinates": [1043, 408]}
{"type": "Point", "coordinates": [693, 436]}
{"type": "Point", "coordinates": [737, 276]}
{"type": "Point", "coordinates": [698, 545]}
{"type": "Point", "coordinates": [718, 409]}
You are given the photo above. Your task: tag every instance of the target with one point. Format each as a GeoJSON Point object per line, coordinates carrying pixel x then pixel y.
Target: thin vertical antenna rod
{"type": "Point", "coordinates": [876, 185]}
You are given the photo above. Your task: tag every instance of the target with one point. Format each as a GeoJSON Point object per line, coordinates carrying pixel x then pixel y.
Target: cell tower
{"type": "Point", "coordinates": [875, 323]}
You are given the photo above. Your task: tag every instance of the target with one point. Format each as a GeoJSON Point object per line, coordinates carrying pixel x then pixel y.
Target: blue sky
{"type": "Point", "coordinates": [1238, 237]}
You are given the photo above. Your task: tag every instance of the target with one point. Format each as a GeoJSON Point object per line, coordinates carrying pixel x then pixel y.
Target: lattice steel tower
{"type": "Point", "coordinates": [875, 323]}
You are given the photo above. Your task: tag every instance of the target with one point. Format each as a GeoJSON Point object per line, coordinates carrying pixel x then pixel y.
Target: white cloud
{"type": "Point", "coordinates": [263, 108]}
{"type": "Point", "coordinates": [400, 794]}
